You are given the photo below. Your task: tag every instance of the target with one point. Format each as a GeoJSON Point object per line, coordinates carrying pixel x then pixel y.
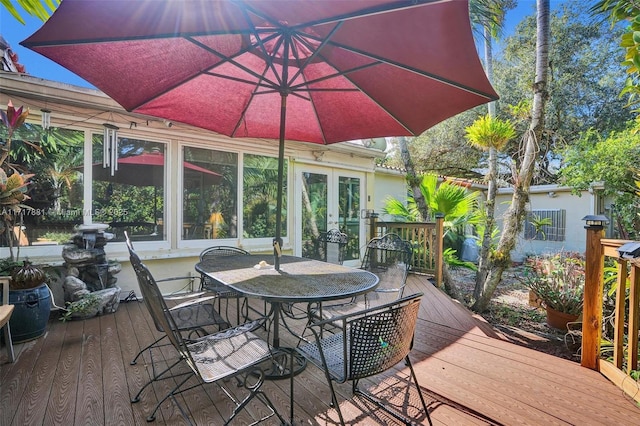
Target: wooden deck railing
{"type": "Point", "coordinates": [615, 354]}
{"type": "Point", "coordinates": [426, 238]}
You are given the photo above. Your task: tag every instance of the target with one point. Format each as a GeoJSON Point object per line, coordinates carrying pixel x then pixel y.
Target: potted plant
{"type": "Point", "coordinates": [558, 281]}
{"type": "Point", "coordinates": [30, 295]}
{"type": "Point", "coordinates": [27, 288]}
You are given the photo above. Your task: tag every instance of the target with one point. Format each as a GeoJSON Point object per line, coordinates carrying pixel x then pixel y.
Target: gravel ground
{"type": "Point", "coordinates": [512, 315]}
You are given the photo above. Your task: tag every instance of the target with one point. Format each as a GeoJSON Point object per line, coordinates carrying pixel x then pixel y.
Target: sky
{"type": "Point", "coordinates": [38, 66]}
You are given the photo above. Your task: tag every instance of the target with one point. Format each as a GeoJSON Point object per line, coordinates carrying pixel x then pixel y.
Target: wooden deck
{"type": "Point", "coordinates": [78, 373]}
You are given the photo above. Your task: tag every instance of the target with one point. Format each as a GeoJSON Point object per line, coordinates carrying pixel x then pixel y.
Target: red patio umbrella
{"type": "Point", "coordinates": [315, 71]}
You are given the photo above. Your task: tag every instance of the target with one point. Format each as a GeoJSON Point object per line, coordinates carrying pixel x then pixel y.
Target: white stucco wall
{"type": "Point", "coordinates": [387, 183]}
{"type": "Point", "coordinates": [576, 207]}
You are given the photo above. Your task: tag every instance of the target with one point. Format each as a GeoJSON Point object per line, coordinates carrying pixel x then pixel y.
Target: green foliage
{"type": "Point", "coordinates": [584, 81]}
{"type": "Point", "coordinates": [489, 132]}
{"type": "Point", "coordinates": [539, 223]}
{"type": "Point", "coordinates": [58, 237]}
{"type": "Point", "coordinates": [558, 280]}
{"type": "Point", "coordinates": [443, 149]}
{"type": "Point", "coordinates": [7, 266]}
{"type": "Point", "coordinates": [599, 158]}
{"type": "Point", "coordinates": [457, 204]}
{"type": "Point", "coordinates": [80, 308]}
{"type": "Point", "coordinates": [628, 12]}
{"type": "Point", "coordinates": [451, 258]}
{"type": "Point", "coordinates": [41, 9]}
{"type": "Point", "coordinates": [611, 160]}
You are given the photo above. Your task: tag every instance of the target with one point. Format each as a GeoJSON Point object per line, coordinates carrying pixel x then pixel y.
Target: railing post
{"type": "Point", "coordinates": [439, 258]}
{"type": "Point", "coordinates": [592, 309]}
{"type": "Point", "coordinates": [372, 224]}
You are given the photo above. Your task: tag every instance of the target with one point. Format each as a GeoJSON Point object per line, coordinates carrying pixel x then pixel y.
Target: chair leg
{"type": "Point", "coordinates": [9, 342]}
{"type": "Point", "coordinates": [151, 417]}
{"type": "Point", "coordinates": [255, 391]}
{"type": "Point", "coordinates": [415, 380]}
{"type": "Point", "coordinates": [371, 398]}
{"type": "Point", "coordinates": [153, 379]}
{"type": "Point", "coordinates": [135, 360]}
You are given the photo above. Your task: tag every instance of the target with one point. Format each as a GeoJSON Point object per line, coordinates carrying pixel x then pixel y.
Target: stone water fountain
{"type": "Point", "coordinates": [89, 272]}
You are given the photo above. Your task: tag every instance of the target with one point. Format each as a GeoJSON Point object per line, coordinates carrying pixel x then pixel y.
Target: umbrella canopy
{"type": "Point", "coordinates": [147, 169]}
{"type": "Point", "coordinates": [313, 71]}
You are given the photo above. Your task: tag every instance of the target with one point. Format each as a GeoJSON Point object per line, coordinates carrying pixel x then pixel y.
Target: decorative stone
{"type": "Point", "coordinates": [109, 300]}
{"type": "Point", "coordinates": [74, 288]}
{"type": "Point", "coordinates": [90, 274]}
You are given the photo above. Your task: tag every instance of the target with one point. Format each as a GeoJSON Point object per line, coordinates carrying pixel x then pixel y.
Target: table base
{"type": "Point", "coordinates": [279, 366]}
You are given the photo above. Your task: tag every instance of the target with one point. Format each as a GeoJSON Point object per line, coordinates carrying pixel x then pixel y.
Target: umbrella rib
{"type": "Point", "coordinates": [246, 107]}
{"type": "Point", "coordinates": [323, 42]}
{"type": "Point", "coordinates": [396, 6]}
{"type": "Point", "coordinates": [260, 43]}
{"type": "Point", "coordinates": [426, 74]}
{"type": "Point", "coordinates": [230, 60]}
{"type": "Point", "coordinates": [336, 74]}
{"type": "Point", "coordinates": [262, 81]}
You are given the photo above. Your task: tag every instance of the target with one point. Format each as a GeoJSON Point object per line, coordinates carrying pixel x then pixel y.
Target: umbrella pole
{"type": "Point", "coordinates": [277, 241]}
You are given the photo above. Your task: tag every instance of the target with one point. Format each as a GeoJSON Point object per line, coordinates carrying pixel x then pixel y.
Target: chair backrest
{"type": "Point", "coordinates": [213, 253]}
{"type": "Point", "coordinates": [156, 304]}
{"type": "Point", "coordinates": [333, 246]}
{"type": "Point", "coordinates": [218, 251]}
{"type": "Point", "coordinates": [382, 337]}
{"type": "Point", "coordinates": [389, 257]}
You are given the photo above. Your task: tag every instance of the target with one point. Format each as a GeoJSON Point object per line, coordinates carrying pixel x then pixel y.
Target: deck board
{"type": "Point", "coordinates": [79, 373]}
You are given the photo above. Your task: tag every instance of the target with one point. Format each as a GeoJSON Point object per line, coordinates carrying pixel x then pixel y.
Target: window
{"type": "Point", "coordinates": [210, 194]}
{"type": "Point", "coordinates": [54, 157]}
{"type": "Point", "coordinates": [546, 225]}
{"type": "Point", "coordinates": [130, 197]}
{"type": "Point", "coordinates": [260, 179]}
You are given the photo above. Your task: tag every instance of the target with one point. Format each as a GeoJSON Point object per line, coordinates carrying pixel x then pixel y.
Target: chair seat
{"type": "Point", "coordinates": [5, 314]}
{"type": "Point", "coordinates": [357, 304]}
{"type": "Point", "coordinates": [225, 353]}
{"type": "Point", "coordinates": [332, 347]}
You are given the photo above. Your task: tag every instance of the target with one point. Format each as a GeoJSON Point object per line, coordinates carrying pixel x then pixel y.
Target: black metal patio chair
{"type": "Point", "coordinates": [333, 246]}
{"type": "Point", "coordinates": [389, 257]}
{"type": "Point", "coordinates": [369, 342]}
{"type": "Point", "coordinates": [234, 352]}
{"type": "Point", "coordinates": [222, 291]}
{"type": "Point", "coordinates": [191, 315]}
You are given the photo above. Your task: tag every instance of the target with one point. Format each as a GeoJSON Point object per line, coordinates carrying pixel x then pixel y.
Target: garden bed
{"type": "Point", "coordinates": [513, 317]}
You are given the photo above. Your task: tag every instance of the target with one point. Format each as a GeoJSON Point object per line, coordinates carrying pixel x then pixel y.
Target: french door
{"type": "Point", "coordinates": [328, 199]}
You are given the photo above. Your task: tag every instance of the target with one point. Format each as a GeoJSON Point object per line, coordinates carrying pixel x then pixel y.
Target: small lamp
{"type": "Point", "coordinates": [595, 221]}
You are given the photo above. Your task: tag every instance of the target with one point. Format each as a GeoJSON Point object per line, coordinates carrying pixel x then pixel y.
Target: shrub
{"type": "Point", "coordinates": [558, 280]}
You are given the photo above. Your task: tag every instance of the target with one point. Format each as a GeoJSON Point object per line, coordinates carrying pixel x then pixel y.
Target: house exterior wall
{"type": "Point", "coordinates": [388, 184]}
{"type": "Point", "coordinates": [551, 197]}
{"type": "Point", "coordinates": [86, 110]}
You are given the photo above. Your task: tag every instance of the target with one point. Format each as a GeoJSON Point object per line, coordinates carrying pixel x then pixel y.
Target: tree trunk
{"type": "Point", "coordinates": [490, 221]}
{"type": "Point", "coordinates": [413, 180]}
{"type": "Point", "coordinates": [501, 259]}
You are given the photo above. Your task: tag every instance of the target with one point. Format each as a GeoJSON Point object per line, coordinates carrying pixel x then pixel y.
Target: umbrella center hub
{"type": "Point", "coordinates": [280, 44]}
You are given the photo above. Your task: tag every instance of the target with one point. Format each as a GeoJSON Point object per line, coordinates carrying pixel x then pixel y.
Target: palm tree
{"type": "Point", "coordinates": [500, 259]}
{"type": "Point", "coordinates": [451, 200]}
